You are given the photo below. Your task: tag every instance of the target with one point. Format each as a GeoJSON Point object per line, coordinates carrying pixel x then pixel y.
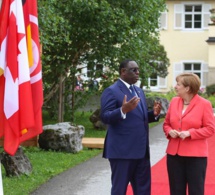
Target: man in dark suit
{"type": "Point", "coordinates": [127, 140]}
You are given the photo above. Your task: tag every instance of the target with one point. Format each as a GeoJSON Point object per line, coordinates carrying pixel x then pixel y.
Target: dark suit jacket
{"type": "Point", "coordinates": [126, 138]}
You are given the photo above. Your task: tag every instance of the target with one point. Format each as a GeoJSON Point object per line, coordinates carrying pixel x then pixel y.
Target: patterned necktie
{"type": "Point", "coordinates": [132, 91]}
{"type": "Point", "coordinates": [134, 94]}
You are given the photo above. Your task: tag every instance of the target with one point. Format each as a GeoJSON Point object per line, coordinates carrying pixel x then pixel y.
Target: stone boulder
{"type": "Point", "coordinates": [62, 137]}
{"type": "Point", "coordinates": [16, 165]}
{"type": "Point", "coordinates": [96, 120]}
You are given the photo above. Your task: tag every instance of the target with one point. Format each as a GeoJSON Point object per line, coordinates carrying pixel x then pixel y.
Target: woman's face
{"type": "Point", "coordinates": [180, 89]}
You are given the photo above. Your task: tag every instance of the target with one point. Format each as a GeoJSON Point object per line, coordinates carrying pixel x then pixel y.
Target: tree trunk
{"type": "Point", "coordinates": [61, 100]}
{"type": "Point", "coordinates": [53, 90]}
{"type": "Point", "coordinates": [73, 99]}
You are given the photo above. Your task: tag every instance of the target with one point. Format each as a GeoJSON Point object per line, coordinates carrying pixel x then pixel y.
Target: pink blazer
{"type": "Point", "coordinates": [198, 119]}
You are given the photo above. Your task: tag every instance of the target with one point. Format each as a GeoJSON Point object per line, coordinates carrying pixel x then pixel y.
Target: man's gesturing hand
{"type": "Point", "coordinates": [157, 107]}
{"type": "Point", "coordinates": [130, 105]}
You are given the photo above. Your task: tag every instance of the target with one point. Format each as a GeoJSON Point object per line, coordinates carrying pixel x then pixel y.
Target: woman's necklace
{"type": "Point", "coordinates": [186, 103]}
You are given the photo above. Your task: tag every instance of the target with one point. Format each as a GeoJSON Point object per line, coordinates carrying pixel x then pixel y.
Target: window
{"type": "Point", "coordinates": [153, 81]}
{"type": "Point", "coordinates": [189, 16]}
{"type": "Point", "coordinates": [193, 68]}
{"type": "Point", "coordinates": [94, 71]}
{"type": "Point", "coordinates": [197, 67]}
{"type": "Point", "coordinates": [193, 16]}
{"type": "Point", "coordinates": [163, 21]}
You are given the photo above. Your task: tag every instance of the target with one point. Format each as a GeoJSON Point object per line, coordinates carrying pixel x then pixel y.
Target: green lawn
{"type": "Point", "coordinates": [47, 164]}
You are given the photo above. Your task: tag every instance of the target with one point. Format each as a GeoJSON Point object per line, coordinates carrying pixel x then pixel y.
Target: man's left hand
{"type": "Point", "coordinates": [157, 107]}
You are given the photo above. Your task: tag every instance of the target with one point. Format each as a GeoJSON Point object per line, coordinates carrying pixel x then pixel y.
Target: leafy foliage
{"type": "Point", "coordinates": [169, 95]}
{"type": "Point", "coordinates": [212, 100]}
{"type": "Point", "coordinates": [91, 32]}
{"type": "Point", "coordinates": [210, 90]}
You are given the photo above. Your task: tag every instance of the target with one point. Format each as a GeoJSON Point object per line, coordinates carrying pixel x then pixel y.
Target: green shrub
{"type": "Point", "coordinates": [167, 96]}
{"type": "Point", "coordinates": [212, 100]}
{"type": "Point", "coordinates": [210, 90]}
{"type": "Point", "coordinates": [172, 94]}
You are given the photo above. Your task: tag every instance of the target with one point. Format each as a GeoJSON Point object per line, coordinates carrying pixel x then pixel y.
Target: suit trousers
{"type": "Point", "coordinates": [186, 172]}
{"type": "Point", "coordinates": [135, 171]}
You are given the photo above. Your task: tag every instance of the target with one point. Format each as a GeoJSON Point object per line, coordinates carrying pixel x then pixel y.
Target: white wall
{"type": "Point", "coordinates": [181, 44]}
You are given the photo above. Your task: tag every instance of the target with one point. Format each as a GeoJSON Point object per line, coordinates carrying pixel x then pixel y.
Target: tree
{"type": "Point", "coordinates": [98, 32]}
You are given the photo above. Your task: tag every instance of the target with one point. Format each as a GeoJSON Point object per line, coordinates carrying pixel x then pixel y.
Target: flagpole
{"type": "Point", "coordinates": [1, 186]}
{"type": "Point", "coordinates": [0, 4]}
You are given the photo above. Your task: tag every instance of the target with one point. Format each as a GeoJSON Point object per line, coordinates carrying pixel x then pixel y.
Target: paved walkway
{"type": "Point", "coordinates": [93, 177]}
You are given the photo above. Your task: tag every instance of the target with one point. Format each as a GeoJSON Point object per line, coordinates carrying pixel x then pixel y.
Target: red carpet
{"type": "Point", "coordinates": [160, 184]}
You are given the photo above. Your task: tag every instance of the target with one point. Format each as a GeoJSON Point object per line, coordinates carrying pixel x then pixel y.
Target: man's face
{"type": "Point", "coordinates": [130, 74]}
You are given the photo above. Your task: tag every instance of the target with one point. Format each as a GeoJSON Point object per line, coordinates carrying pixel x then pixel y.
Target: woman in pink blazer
{"type": "Point", "coordinates": [188, 124]}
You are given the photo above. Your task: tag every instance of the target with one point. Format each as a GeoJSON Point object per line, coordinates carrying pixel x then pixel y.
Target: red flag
{"type": "Point", "coordinates": [21, 114]}
{"type": "Point", "coordinates": [3, 39]}
{"type": "Point", "coordinates": [31, 24]}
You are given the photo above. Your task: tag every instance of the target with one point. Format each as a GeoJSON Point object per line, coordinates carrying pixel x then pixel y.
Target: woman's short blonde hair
{"type": "Point", "coordinates": [190, 80]}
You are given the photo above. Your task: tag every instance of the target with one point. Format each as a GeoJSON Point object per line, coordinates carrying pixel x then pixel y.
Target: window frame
{"type": "Point", "coordinates": [179, 16]}
{"type": "Point", "coordinates": [192, 13]}
{"type": "Point", "coordinates": [192, 70]}
{"type": "Point", "coordinates": [161, 84]}
{"type": "Point", "coordinates": [179, 68]}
